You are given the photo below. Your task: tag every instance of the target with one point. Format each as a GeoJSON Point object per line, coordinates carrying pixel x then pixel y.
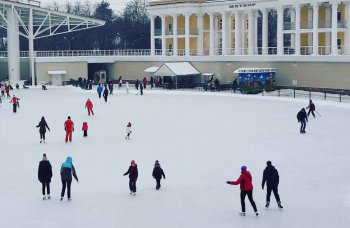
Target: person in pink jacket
{"type": "Point", "coordinates": [245, 182]}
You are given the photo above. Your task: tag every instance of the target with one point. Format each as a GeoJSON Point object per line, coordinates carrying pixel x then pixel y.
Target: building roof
{"type": "Point", "coordinates": [176, 69]}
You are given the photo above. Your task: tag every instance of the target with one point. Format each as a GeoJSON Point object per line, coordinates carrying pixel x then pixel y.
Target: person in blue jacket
{"type": "Point", "coordinates": [99, 90]}
{"type": "Point", "coordinates": [67, 169]}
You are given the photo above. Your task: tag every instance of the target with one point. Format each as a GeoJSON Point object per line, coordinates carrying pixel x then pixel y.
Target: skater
{"type": "Point", "coordinates": [271, 178]}
{"type": "Point", "coordinates": [43, 87]}
{"type": "Point", "coordinates": [311, 108]}
{"type": "Point", "coordinates": [7, 90]}
{"type": "Point", "coordinates": [17, 86]}
{"type": "Point", "coordinates": [128, 131]}
{"type": "Point", "coordinates": [234, 85]}
{"type": "Point", "coordinates": [151, 81]}
{"type": "Point", "coordinates": [14, 102]}
{"type": "Point", "coordinates": [127, 87]}
{"type": "Point", "coordinates": [133, 174]}
{"type": "Point", "coordinates": [89, 106]}
{"type": "Point", "coordinates": [42, 129]}
{"type": "Point", "coordinates": [137, 84]}
{"type": "Point", "coordinates": [245, 182]}
{"type": "Point", "coordinates": [69, 128]}
{"type": "Point", "coordinates": [120, 82]}
{"type": "Point", "coordinates": [110, 86]}
{"type": "Point", "coordinates": [99, 90]}
{"type": "Point", "coordinates": [67, 169]}
{"type": "Point", "coordinates": [157, 174]}
{"type": "Point", "coordinates": [302, 118]}
{"type": "Point", "coordinates": [105, 94]}
{"type": "Point", "coordinates": [85, 128]}
{"type": "Point", "coordinates": [45, 175]}
{"type": "Point", "coordinates": [144, 82]}
{"type": "Point", "coordinates": [2, 91]}
{"type": "Point", "coordinates": [141, 89]}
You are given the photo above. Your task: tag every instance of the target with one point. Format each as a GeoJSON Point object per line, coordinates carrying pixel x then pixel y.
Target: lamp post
{"type": "Point", "coordinates": [69, 41]}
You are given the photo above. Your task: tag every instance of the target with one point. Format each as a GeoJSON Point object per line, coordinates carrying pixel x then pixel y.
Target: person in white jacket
{"type": "Point", "coordinates": [127, 87]}
{"type": "Point", "coordinates": [128, 131]}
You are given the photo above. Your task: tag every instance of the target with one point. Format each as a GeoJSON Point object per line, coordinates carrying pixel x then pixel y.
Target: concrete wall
{"type": "Point", "coordinates": [74, 70]}
{"type": "Point", "coordinates": [317, 74]}
{"type": "Point", "coordinates": [24, 69]}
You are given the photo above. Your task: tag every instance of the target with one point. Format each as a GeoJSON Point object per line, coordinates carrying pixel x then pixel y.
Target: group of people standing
{"type": "Point", "coordinates": [45, 174]}
{"type": "Point", "coordinates": [270, 177]}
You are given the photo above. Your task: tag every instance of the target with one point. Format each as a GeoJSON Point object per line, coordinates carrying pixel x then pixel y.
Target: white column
{"type": "Point", "coordinates": [216, 34]}
{"type": "Point", "coordinates": [297, 29]}
{"type": "Point", "coordinates": [31, 47]}
{"type": "Point", "coordinates": [175, 46]}
{"type": "Point", "coordinates": [292, 22]}
{"type": "Point", "coordinates": [13, 46]}
{"type": "Point", "coordinates": [152, 35]}
{"type": "Point", "coordinates": [224, 32]}
{"type": "Point", "coordinates": [250, 32]}
{"type": "Point", "coordinates": [187, 34]}
{"type": "Point", "coordinates": [211, 34]}
{"type": "Point", "coordinates": [280, 30]}
{"type": "Point", "coordinates": [243, 34]}
{"type": "Point", "coordinates": [200, 34]}
{"type": "Point", "coordinates": [328, 35]}
{"type": "Point", "coordinates": [265, 31]}
{"type": "Point", "coordinates": [334, 28]}
{"type": "Point", "coordinates": [229, 34]}
{"type": "Point", "coordinates": [238, 33]}
{"type": "Point", "coordinates": [163, 35]}
{"type": "Point", "coordinates": [315, 28]}
{"type": "Point", "coordinates": [347, 32]}
{"type": "Point", "coordinates": [309, 34]}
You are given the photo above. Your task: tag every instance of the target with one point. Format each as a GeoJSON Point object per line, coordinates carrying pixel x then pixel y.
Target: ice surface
{"type": "Point", "coordinates": [201, 140]}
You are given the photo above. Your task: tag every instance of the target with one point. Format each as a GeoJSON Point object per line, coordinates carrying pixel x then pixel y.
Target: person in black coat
{"type": "Point", "coordinates": [157, 174]}
{"type": "Point", "coordinates": [45, 175]}
{"type": "Point", "coordinates": [133, 174]}
{"type": "Point", "coordinates": [42, 129]}
{"type": "Point", "coordinates": [311, 108]}
{"type": "Point", "coordinates": [137, 84]}
{"type": "Point", "coordinates": [141, 89]}
{"type": "Point", "coordinates": [105, 94]}
{"type": "Point", "coordinates": [271, 178]}
{"type": "Point", "coordinates": [302, 118]}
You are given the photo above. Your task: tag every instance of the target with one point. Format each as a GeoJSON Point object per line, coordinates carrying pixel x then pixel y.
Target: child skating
{"type": "Point", "coordinates": [85, 128]}
{"type": "Point", "coordinates": [128, 131]}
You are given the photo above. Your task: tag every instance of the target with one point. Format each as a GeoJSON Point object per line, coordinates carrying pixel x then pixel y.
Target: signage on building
{"type": "Point", "coordinates": [242, 5]}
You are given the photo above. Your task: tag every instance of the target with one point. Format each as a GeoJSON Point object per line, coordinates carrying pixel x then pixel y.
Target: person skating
{"type": "Point", "coordinates": [127, 87]}
{"type": "Point", "coordinates": [311, 108]}
{"type": "Point", "coordinates": [14, 102]}
{"type": "Point", "coordinates": [141, 89]}
{"type": "Point", "coordinates": [7, 90]}
{"type": "Point", "coordinates": [89, 106]}
{"type": "Point", "coordinates": [42, 129]}
{"type": "Point", "coordinates": [271, 177]}
{"type": "Point", "coordinates": [302, 118]}
{"type": "Point", "coordinates": [133, 174]}
{"type": "Point", "coordinates": [45, 175]}
{"type": "Point", "coordinates": [67, 169]}
{"type": "Point", "coordinates": [105, 94]}
{"type": "Point", "coordinates": [85, 128]}
{"type": "Point", "coordinates": [234, 85]}
{"type": "Point", "coordinates": [69, 128]}
{"type": "Point", "coordinates": [151, 82]}
{"type": "Point", "coordinates": [144, 82]}
{"type": "Point", "coordinates": [157, 174]}
{"type": "Point", "coordinates": [246, 185]}
{"type": "Point", "coordinates": [137, 84]}
{"type": "Point", "coordinates": [128, 131]}
{"type": "Point", "coordinates": [99, 90]}
{"type": "Point", "coordinates": [110, 86]}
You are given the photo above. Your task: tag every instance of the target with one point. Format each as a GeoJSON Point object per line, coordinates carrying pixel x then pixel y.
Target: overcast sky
{"type": "Point", "coordinates": [116, 5]}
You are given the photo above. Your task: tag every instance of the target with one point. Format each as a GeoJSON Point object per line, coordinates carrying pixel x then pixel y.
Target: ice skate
{"type": "Point", "coordinates": [131, 192]}
{"type": "Point", "coordinates": [48, 196]}
{"type": "Point", "coordinates": [44, 197]}
{"type": "Point", "coordinates": [256, 213]}
{"type": "Point", "coordinates": [61, 199]}
{"type": "Point", "coordinates": [242, 213]}
{"type": "Point", "coordinates": [40, 141]}
{"type": "Point", "coordinates": [279, 205]}
{"type": "Point", "coordinates": [267, 204]}
{"type": "Point", "coordinates": [134, 193]}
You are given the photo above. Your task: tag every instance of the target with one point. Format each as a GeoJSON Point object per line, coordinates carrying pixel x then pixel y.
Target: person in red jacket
{"type": "Point", "coordinates": [245, 182]}
{"type": "Point", "coordinates": [14, 102]}
{"type": "Point", "coordinates": [89, 106]}
{"type": "Point", "coordinates": [144, 82]}
{"type": "Point", "coordinates": [85, 128]}
{"type": "Point", "coordinates": [69, 128]}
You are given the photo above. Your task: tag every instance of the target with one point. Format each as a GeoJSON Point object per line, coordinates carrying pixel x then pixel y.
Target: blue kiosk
{"type": "Point", "coordinates": [255, 80]}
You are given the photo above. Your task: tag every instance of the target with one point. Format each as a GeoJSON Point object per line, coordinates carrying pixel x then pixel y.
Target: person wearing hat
{"type": "Point", "coordinates": [45, 175]}
{"type": "Point", "coordinates": [158, 173]}
{"type": "Point", "coordinates": [302, 118]}
{"type": "Point", "coordinates": [133, 174]}
{"type": "Point", "coordinates": [128, 131]}
{"type": "Point", "coordinates": [271, 178]}
{"type": "Point", "coordinates": [67, 170]}
{"type": "Point", "coordinates": [69, 128]}
{"type": "Point", "coordinates": [245, 182]}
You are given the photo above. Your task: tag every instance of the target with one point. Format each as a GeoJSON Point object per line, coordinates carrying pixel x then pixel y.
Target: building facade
{"type": "Point", "coordinates": [201, 27]}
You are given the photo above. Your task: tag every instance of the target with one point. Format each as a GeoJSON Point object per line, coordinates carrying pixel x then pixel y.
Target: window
{"type": "Point", "coordinates": [170, 27]}
{"type": "Point", "coordinates": [220, 24]}
{"type": "Point", "coordinates": [339, 43]}
{"type": "Point", "coordinates": [170, 47]}
{"type": "Point", "coordinates": [339, 16]}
